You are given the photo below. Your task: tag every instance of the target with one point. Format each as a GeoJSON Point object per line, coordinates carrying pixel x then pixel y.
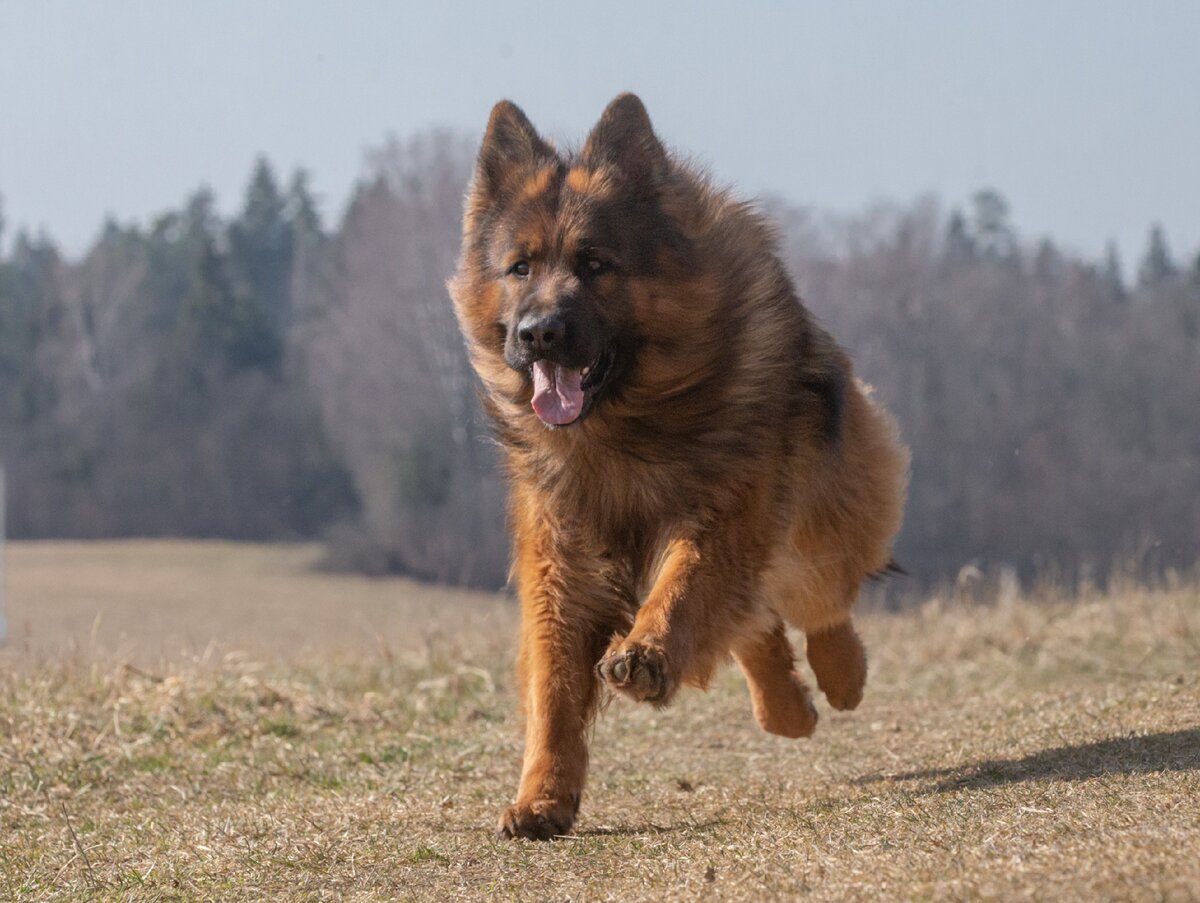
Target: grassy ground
{"type": "Point", "coordinates": [206, 721]}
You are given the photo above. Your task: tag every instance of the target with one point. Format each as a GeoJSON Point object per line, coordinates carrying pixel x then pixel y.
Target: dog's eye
{"type": "Point", "coordinates": [520, 269]}
{"type": "Point", "coordinates": [594, 266]}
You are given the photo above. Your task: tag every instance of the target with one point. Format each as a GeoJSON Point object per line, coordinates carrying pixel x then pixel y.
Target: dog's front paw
{"type": "Point", "coordinates": [539, 820]}
{"type": "Point", "coordinates": [640, 672]}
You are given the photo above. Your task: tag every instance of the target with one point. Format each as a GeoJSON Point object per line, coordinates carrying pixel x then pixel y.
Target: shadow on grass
{"type": "Point", "coordinates": [643, 830]}
{"type": "Point", "coordinates": [1133, 754]}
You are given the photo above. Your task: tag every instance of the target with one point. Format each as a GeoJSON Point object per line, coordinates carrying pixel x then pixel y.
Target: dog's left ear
{"type": "Point", "coordinates": [624, 139]}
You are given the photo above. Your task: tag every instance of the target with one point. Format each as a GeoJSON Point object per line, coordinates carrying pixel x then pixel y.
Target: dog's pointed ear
{"type": "Point", "coordinates": [510, 142]}
{"type": "Point", "coordinates": [625, 140]}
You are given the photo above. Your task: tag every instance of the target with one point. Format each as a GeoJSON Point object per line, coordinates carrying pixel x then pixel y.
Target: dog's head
{"type": "Point", "coordinates": [560, 255]}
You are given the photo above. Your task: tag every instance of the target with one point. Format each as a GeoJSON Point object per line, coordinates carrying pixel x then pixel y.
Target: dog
{"type": "Point", "coordinates": [692, 464]}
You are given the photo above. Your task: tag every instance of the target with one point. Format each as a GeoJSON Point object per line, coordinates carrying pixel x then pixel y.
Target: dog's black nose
{"type": "Point", "coordinates": [542, 333]}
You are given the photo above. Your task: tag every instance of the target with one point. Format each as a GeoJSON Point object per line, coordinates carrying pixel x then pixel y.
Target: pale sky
{"type": "Point", "coordinates": [1085, 114]}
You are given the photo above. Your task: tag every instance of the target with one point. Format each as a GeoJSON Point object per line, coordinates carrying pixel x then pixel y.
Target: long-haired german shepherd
{"type": "Point", "coordinates": [692, 463]}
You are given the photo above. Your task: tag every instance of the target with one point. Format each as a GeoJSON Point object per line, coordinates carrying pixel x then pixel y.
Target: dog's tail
{"type": "Point", "coordinates": [891, 569]}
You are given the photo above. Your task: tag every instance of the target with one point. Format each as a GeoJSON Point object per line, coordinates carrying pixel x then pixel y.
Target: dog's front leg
{"type": "Point", "coordinates": [557, 673]}
{"type": "Point", "coordinates": [703, 598]}
{"type": "Point", "coordinates": [565, 624]}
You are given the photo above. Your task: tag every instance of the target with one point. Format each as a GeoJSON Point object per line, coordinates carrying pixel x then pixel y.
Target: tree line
{"type": "Point", "coordinates": [269, 376]}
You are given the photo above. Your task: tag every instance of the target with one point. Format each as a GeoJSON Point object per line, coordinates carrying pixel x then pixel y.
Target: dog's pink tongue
{"type": "Point", "coordinates": [557, 393]}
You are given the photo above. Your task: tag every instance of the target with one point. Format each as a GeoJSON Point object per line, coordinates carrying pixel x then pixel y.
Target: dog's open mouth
{"type": "Point", "coordinates": [561, 394]}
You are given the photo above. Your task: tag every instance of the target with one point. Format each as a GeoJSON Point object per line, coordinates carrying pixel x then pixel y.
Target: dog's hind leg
{"type": "Point", "coordinates": [817, 599]}
{"type": "Point", "coordinates": [848, 512]}
{"type": "Point", "coordinates": [782, 704]}
{"type": "Point", "coordinates": [839, 661]}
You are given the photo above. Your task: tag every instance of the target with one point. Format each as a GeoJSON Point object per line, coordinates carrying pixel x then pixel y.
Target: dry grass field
{"type": "Point", "coordinates": [211, 721]}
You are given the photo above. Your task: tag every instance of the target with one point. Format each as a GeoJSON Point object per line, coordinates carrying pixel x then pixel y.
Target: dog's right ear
{"type": "Point", "coordinates": [510, 143]}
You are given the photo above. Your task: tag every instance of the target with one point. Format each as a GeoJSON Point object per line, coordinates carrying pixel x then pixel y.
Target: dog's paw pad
{"type": "Point", "coordinates": [637, 671]}
{"type": "Point", "coordinates": [541, 820]}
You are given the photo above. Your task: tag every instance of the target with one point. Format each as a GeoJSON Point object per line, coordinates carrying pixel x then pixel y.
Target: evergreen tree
{"type": "Point", "coordinates": [199, 217]}
{"type": "Point", "coordinates": [29, 310]}
{"type": "Point", "coordinates": [959, 247]}
{"type": "Point", "coordinates": [308, 241]}
{"type": "Point", "coordinates": [171, 247]}
{"type": "Point", "coordinates": [993, 235]}
{"type": "Point", "coordinates": [1112, 273]}
{"type": "Point", "coordinates": [1047, 262]}
{"type": "Point", "coordinates": [223, 323]}
{"type": "Point", "coordinates": [301, 207]}
{"type": "Point", "coordinates": [1156, 266]}
{"type": "Point", "coordinates": [260, 245]}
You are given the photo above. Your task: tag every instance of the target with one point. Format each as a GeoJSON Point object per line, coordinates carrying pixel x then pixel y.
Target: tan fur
{"type": "Point", "coordinates": [589, 181]}
{"type": "Point", "coordinates": [537, 183]}
{"type": "Point", "coordinates": [730, 476]}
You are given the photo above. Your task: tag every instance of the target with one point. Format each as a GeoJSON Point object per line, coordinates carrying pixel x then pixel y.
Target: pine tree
{"type": "Point", "coordinates": [994, 236]}
{"type": "Point", "coordinates": [1047, 262]}
{"type": "Point", "coordinates": [223, 323]}
{"type": "Point", "coordinates": [30, 313]}
{"type": "Point", "coordinates": [260, 245]}
{"type": "Point", "coordinates": [1111, 272]}
{"type": "Point", "coordinates": [308, 241]}
{"type": "Point", "coordinates": [171, 248]}
{"type": "Point", "coordinates": [301, 207]}
{"type": "Point", "coordinates": [1156, 266]}
{"type": "Point", "coordinates": [959, 246]}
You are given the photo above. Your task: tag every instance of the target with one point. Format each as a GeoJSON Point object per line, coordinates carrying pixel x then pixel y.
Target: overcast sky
{"type": "Point", "coordinates": [1085, 114]}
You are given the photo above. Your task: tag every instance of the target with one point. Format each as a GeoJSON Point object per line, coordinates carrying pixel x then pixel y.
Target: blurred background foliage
{"type": "Point", "coordinates": [277, 376]}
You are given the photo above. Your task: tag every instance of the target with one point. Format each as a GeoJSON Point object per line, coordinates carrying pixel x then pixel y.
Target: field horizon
{"type": "Point", "coordinates": [190, 720]}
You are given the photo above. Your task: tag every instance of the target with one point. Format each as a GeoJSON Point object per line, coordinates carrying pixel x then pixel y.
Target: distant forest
{"type": "Point", "coordinates": [277, 376]}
